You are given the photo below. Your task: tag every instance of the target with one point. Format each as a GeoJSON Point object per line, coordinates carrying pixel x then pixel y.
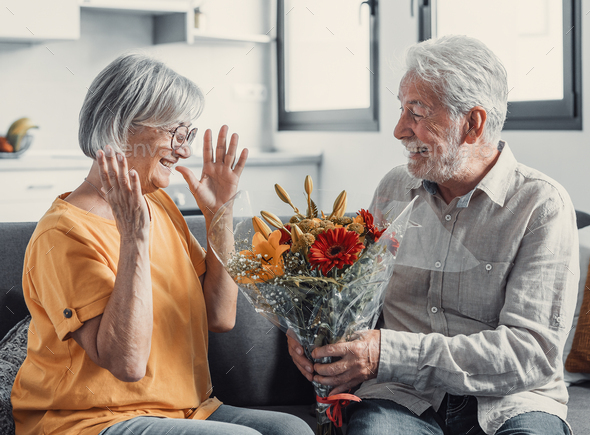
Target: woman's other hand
{"type": "Point", "coordinates": [219, 182]}
{"type": "Point", "coordinates": [122, 189]}
{"type": "Point", "coordinates": [119, 339]}
{"type": "Point", "coordinates": [219, 179]}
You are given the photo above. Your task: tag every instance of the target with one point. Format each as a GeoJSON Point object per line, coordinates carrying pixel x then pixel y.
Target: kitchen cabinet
{"type": "Point", "coordinates": [173, 21]}
{"type": "Point", "coordinates": [42, 20]}
{"type": "Point", "coordinates": [39, 20]}
{"type": "Point", "coordinates": [27, 195]}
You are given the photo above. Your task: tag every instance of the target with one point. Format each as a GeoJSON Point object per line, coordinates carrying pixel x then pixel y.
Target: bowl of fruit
{"type": "Point", "coordinates": [17, 140]}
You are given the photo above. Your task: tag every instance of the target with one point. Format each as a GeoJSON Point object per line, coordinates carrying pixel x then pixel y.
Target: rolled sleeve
{"type": "Point", "coordinates": [72, 281]}
{"type": "Point", "coordinates": [399, 357]}
{"type": "Point", "coordinates": [73, 319]}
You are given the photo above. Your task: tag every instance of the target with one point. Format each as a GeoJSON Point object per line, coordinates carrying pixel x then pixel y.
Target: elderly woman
{"type": "Point", "coordinates": [121, 294]}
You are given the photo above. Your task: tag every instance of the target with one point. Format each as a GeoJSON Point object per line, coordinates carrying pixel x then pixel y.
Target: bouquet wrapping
{"type": "Point", "coordinates": [319, 277]}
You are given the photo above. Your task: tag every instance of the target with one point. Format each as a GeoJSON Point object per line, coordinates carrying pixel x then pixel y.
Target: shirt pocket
{"type": "Point", "coordinates": [482, 290]}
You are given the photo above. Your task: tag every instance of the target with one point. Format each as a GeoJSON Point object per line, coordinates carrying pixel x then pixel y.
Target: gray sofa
{"type": "Point", "coordinates": [250, 365]}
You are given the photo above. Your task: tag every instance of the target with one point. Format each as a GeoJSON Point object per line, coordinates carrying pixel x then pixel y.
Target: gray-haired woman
{"type": "Point", "coordinates": [120, 293]}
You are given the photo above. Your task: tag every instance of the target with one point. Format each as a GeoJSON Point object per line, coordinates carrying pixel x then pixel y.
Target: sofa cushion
{"type": "Point", "coordinates": [577, 348]}
{"type": "Point", "coordinates": [578, 360]}
{"type": "Point", "coordinates": [13, 350]}
{"type": "Point", "coordinates": [577, 413]}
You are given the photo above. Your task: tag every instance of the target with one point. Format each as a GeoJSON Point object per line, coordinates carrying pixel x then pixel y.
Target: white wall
{"type": "Point", "coordinates": [357, 161]}
{"type": "Point", "coordinates": [35, 80]}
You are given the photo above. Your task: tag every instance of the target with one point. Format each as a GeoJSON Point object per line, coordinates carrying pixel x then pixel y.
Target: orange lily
{"type": "Point", "coordinates": [271, 256]}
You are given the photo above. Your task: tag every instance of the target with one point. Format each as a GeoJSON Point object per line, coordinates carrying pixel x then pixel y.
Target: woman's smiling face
{"type": "Point", "coordinates": [151, 155]}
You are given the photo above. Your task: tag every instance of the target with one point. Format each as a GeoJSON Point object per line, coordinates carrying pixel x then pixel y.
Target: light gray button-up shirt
{"type": "Point", "coordinates": [497, 329]}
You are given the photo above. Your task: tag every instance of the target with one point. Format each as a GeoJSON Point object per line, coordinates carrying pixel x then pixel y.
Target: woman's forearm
{"type": "Point", "coordinates": [221, 295]}
{"type": "Point", "coordinates": [124, 336]}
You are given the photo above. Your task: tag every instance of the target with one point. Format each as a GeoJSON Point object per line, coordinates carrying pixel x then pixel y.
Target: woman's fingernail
{"type": "Point", "coordinates": [308, 368]}
{"type": "Point", "coordinates": [299, 351]}
{"type": "Point", "coordinates": [119, 157]}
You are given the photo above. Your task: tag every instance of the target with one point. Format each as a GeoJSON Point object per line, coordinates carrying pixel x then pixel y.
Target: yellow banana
{"type": "Point", "coordinates": [17, 131]}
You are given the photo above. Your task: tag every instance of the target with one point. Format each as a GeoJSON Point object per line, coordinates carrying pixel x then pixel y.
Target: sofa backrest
{"type": "Point", "coordinates": [14, 238]}
{"type": "Point", "coordinates": [250, 365]}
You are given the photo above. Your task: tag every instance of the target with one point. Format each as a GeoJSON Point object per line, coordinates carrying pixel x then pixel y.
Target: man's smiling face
{"type": "Point", "coordinates": [432, 138]}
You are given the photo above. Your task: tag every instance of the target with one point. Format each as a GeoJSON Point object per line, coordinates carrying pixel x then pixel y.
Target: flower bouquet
{"type": "Point", "coordinates": [321, 275]}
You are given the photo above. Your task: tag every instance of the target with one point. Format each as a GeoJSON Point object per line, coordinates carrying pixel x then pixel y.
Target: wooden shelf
{"type": "Point", "coordinates": [199, 35]}
{"type": "Point", "coordinates": [149, 7]}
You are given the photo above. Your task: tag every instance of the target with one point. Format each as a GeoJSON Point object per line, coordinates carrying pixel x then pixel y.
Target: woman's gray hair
{"type": "Point", "coordinates": [464, 73]}
{"type": "Point", "coordinates": [134, 90]}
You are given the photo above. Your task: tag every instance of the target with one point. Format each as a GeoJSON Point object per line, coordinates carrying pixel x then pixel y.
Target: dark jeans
{"type": "Point", "coordinates": [457, 416]}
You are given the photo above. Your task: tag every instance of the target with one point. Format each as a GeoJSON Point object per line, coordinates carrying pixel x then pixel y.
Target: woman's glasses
{"type": "Point", "coordinates": [181, 136]}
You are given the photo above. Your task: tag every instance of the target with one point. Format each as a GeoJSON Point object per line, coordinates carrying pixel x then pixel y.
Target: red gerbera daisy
{"type": "Point", "coordinates": [372, 230]}
{"type": "Point", "coordinates": [335, 247]}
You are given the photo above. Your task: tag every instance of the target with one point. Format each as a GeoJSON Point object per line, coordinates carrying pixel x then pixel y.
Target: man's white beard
{"type": "Point", "coordinates": [442, 164]}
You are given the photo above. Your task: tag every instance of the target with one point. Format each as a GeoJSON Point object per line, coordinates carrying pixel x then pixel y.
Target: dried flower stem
{"type": "Point", "coordinates": [308, 184]}
{"type": "Point", "coordinates": [284, 196]}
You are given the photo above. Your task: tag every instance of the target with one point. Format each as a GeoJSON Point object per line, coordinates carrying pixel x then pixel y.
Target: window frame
{"type": "Point", "coordinates": [565, 114]}
{"type": "Point", "coordinates": [362, 119]}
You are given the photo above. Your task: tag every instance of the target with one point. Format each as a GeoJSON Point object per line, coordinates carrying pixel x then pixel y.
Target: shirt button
{"type": "Point", "coordinates": [67, 313]}
{"type": "Point", "coordinates": [488, 267]}
{"type": "Point", "coordinates": [437, 264]}
{"type": "Point", "coordinates": [434, 310]}
{"type": "Point", "coordinates": [448, 217]}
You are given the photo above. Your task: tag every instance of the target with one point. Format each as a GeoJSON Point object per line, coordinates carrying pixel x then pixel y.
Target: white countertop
{"type": "Point", "coordinates": [46, 160]}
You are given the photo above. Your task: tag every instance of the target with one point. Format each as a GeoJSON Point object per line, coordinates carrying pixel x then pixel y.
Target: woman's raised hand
{"type": "Point", "coordinates": [122, 190]}
{"type": "Point", "coordinates": [219, 179]}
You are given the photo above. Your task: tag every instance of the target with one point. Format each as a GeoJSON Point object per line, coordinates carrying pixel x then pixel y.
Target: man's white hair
{"type": "Point", "coordinates": [134, 90]}
{"type": "Point", "coordinates": [464, 73]}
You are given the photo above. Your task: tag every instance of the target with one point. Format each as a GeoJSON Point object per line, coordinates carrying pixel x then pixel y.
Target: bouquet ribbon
{"type": "Point", "coordinates": [337, 402]}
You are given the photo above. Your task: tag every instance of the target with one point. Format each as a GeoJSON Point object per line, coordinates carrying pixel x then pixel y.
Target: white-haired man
{"type": "Point", "coordinates": [477, 351]}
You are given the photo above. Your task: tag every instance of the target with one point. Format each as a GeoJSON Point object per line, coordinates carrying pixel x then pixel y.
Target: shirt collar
{"type": "Point", "coordinates": [496, 182]}
{"type": "Point", "coordinates": [493, 184]}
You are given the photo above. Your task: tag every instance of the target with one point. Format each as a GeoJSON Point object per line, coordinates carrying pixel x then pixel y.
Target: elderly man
{"type": "Point", "coordinates": [479, 350]}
